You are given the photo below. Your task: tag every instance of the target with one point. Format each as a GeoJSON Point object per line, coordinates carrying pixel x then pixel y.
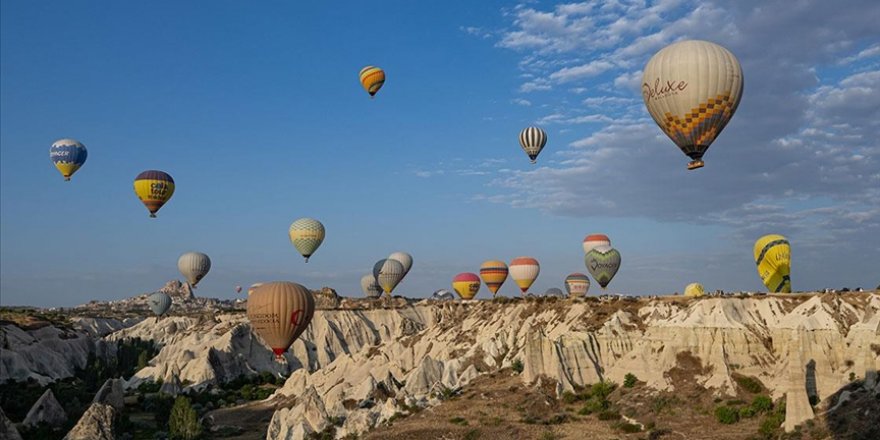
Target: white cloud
{"type": "Point", "coordinates": [587, 70]}
{"type": "Point", "coordinates": [521, 101]}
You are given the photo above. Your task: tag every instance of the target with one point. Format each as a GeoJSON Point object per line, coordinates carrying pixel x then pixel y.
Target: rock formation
{"type": "Point", "coordinates": [46, 410]}
{"type": "Point", "coordinates": [111, 393]}
{"type": "Point", "coordinates": [7, 428]}
{"type": "Point", "coordinates": [50, 353]}
{"type": "Point", "coordinates": [97, 423]}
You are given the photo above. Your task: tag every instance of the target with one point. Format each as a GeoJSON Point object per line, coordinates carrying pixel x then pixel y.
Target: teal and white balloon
{"type": "Point", "coordinates": [306, 234]}
{"type": "Point", "coordinates": [159, 303]}
{"type": "Point", "coordinates": [603, 263]}
{"type": "Point", "coordinates": [193, 266]}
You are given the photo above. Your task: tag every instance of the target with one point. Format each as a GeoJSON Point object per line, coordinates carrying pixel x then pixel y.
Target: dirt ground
{"type": "Point", "coordinates": [497, 406]}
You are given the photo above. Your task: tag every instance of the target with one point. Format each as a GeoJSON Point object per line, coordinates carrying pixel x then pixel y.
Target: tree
{"type": "Point", "coordinates": [184, 422]}
{"type": "Point", "coordinates": [142, 360]}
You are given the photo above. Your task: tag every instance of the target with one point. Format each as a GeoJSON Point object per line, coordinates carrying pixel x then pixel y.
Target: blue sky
{"type": "Point", "coordinates": [256, 112]}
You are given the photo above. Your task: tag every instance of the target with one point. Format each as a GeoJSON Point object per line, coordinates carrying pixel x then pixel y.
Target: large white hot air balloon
{"type": "Point", "coordinates": [194, 266]}
{"type": "Point", "coordinates": [691, 89]}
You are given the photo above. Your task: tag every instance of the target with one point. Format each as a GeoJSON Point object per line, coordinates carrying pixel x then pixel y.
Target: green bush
{"type": "Point", "coordinates": [569, 397]}
{"type": "Point", "coordinates": [183, 422]}
{"type": "Point", "coordinates": [749, 384]}
{"type": "Point", "coordinates": [629, 380]}
{"type": "Point", "coordinates": [747, 412]}
{"type": "Point", "coordinates": [593, 405]}
{"type": "Point", "coordinates": [602, 389]}
{"type": "Point", "coordinates": [517, 366]}
{"type": "Point", "coordinates": [726, 415]}
{"type": "Point", "coordinates": [458, 421]}
{"type": "Point", "coordinates": [771, 424]}
{"type": "Point", "coordinates": [627, 427]}
{"type": "Point", "coordinates": [609, 415]}
{"type": "Point", "coordinates": [762, 404]}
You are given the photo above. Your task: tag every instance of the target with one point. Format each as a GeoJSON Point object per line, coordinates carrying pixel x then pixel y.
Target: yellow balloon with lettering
{"type": "Point", "coordinates": [773, 257]}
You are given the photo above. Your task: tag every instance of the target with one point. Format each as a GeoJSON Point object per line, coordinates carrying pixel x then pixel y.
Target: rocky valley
{"type": "Point", "coordinates": [803, 366]}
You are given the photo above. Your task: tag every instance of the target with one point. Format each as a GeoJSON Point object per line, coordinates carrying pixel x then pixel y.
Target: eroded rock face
{"type": "Point", "coordinates": [46, 410]}
{"type": "Point", "coordinates": [111, 393]}
{"type": "Point", "coordinates": [7, 428]}
{"type": "Point", "coordinates": [49, 353]}
{"type": "Point", "coordinates": [791, 343]}
{"type": "Point", "coordinates": [97, 423]}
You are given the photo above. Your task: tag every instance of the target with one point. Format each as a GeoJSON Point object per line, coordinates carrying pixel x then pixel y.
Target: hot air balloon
{"type": "Point", "coordinates": [692, 89]}
{"type": "Point", "coordinates": [577, 285]}
{"type": "Point", "coordinates": [773, 257]}
{"type": "Point", "coordinates": [306, 234]}
{"type": "Point", "coordinates": [524, 270]}
{"type": "Point", "coordinates": [237, 289]}
{"type": "Point", "coordinates": [493, 273]}
{"type": "Point", "coordinates": [159, 303]}
{"type": "Point", "coordinates": [279, 312]}
{"type": "Point", "coordinates": [403, 258]}
{"type": "Point", "coordinates": [154, 188]}
{"type": "Point", "coordinates": [442, 295]}
{"type": "Point", "coordinates": [371, 288]}
{"type": "Point", "coordinates": [602, 262]}
{"type": "Point", "coordinates": [372, 78]}
{"type": "Point", "coordinates": [532, 140]}
{"type": "Point", "coordinates": [253, 288]}
{"type": "Point", "coordinates": [694, 289]}
{"type": "Point", "coordinates": [466, 285]}
{"type": "Point", "coordinates": [593, 240]}
{"type": "Point", "coordinates": [388, 274]}
{"type": "Point", "coordinates": [68, 156]}
{"type": "Point", "coordinates": [554, 291]}
{"type": "Point", "coordinates": [193, 266]}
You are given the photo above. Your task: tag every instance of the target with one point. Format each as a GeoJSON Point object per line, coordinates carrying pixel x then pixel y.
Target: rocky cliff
{"type": "Point", "coordinates": [364, 366]}
{"type": "Point", "coordinates": [359, 367]}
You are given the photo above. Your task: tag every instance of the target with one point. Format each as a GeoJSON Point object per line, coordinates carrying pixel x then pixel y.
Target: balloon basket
{"type": "Point", "coordinates": [152, 215]}
{"type": "Point", "coordinates": [694, 164]}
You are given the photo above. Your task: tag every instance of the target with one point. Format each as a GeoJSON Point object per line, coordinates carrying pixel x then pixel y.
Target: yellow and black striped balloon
{"type": "Point", "coordinates": [372, 79]}
{"type": "Point", "coordinates": [773, 258]}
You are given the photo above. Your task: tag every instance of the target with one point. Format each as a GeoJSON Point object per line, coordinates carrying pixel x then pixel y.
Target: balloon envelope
{"type": "Point", "coordinates": [68, 155]}
{"type": "Point", "coordinates": [388, 274]}
{"type": "Point", "coordinates": [603, 263]}
{"type": "Point", "coordinates": [159, 303]}
{"type": "Point", "coordinates": [154, 188]}
{"type": "Point", "coordinates": [524, 271]}
{"type": "Point", "coordinates": [370, 286]}
{"type": "Point", "coordinates": [404, 259]}
{"type": "Point", "coordinates": [193, 266]}
{"type": "Point", "coordinates": [554, 291]}
{"type": "Point", "coordinates": [493, 273]}
{"type": "Point", "coordinates": [593, 240]}
{"type": "Point", "coordinates": [253, 288]}
{"type": "Point", "coordinates": [372, 79]}
{"type": "Point", "coordinates": [577, 284]}
{"type": "Point", "coordinates": [694, 289]}
{"type": "Point", "coordinates": [692, 89]}
{"type": "Point", "coordinates": [532, 140]}
{"type": "Point", "coordinates": [466, 285]}
{"type": "Point", "coordinates": [306, 234]}
{"type": "Point", "coordinates": [279, 312]}
{"type": "Point", "coordinates": [773, 258]}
